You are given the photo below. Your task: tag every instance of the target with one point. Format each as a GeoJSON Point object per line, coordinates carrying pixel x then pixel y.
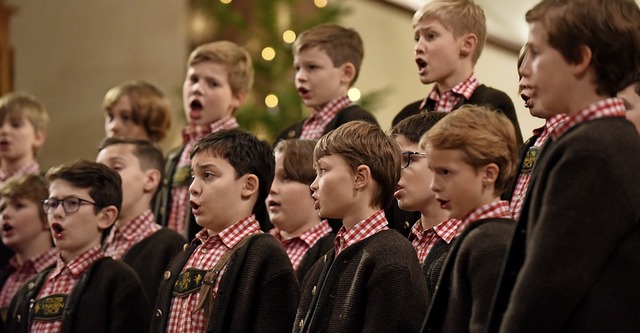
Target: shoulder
{"type": "Point", "coordinates": [488, 233]}
{"type": "Point", "coordinates": [407, 111]}
{"type": "Point", "coordinates": [485, 95]}
{"type": "Point", "coordinates": [389, 243]}
{"type": "Point", "coordinates": [290, 132]}
{"type": "Point", "coordinates": [166, 235]}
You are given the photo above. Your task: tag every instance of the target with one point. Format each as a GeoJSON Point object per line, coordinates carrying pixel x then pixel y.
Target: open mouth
{"type": "Point", "coordinates": [273, 204]}
{"type": "Point", "coordinates": [57, 230]}
{"type": "Point", "coordinates": [421, 63]}
{"type": "Point", "coordinates": [7, 227]}
{"type": "Point", "coordinates": [444, 204]}
{"type": "Point", "coordinates": [195, 105]}
{"type": "Point", "coordinates": [303, 90]}
{"type": "Point", "coordinates": [527, 100]}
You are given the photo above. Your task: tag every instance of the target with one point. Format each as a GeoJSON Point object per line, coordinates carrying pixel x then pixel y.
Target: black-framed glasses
{"type": "Point", "coordinates": [69, 205]}
{"type": "Point", "coordinates": [406, 157]}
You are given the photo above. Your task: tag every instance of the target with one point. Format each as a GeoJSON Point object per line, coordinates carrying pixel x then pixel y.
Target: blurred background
{"type": "Point", "coordinates": [68, 53]}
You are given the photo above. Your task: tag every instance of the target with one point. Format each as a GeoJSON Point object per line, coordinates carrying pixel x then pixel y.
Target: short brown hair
{"type": "Point", "coordinates": [483, 135]}
{"type": "Point", "coordinates": [610, 29]}
{"type": "Point", "coordinates": [148, 154]}
{"type": "Point", "coordinates": [363, 143]}
{"type": "Point", "coordinates": [342, 45]}
{"type": "Point", "coordinates": [459, 16]}
{"type": "Point", "coordinates": [150, 107]}
{"type": "Point", "coordinates": [233, 57]}
{"type": "Point", "coordinates": [297, 159]}
{"type": "Point", "coordinates": [31, 187]}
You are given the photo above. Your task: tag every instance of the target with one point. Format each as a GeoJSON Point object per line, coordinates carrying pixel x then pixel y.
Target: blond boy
{"type": "Point", "coordinates": [472, 155]}
{"type": "Point", "coordinates": [219, 77]}
{"type": "Point", "coordinates": [449, 38]}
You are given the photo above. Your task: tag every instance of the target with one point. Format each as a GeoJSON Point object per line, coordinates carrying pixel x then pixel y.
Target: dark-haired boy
{"type": "Point", "coordinates": [233, 277]}
{"type": "Point", "coordinates": [85, 291]}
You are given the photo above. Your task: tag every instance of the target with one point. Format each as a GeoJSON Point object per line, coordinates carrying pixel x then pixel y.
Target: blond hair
{"type": "Point", "coordinates": [483, 135]}
{"type": "Point", "coordinates": [233, 57]}
{"type": "Point", "coordinates": [459, 16]}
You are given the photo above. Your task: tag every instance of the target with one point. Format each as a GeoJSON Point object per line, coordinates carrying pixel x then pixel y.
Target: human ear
{"type": "Point", "coordinates": [468, 44]}
{"type": "Point", "coordinates": [237, 99]}
{"type": "Point", "coordinates": [250, 186]}
{"type": "Point", "coordinates": [582, 65]}
{"type": "Point", "coordinates": [348, 73]}
{"type": "Point", "coordinates": [152, 180]}
{"type": "Point", "coordinates": [40, 137]}
{"type": "Point", "coordinates": [107, 216]}
{"type": "Point", "coordinates": [490, 174]}
{"type": "Point", "coordinates": [362, 177]}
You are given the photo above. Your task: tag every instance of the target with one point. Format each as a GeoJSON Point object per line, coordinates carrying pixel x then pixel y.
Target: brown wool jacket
{"type": "Point", "coordinates": [375, 285]}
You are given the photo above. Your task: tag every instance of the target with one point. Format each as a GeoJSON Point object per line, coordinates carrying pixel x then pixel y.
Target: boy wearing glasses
{"type": "Point", "coordinates": [433, 232]}
{"type": "Point", "coordinates": [85, 291]}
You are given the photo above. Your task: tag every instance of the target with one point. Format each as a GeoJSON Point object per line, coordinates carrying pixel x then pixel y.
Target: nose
{"type": "Point", "coordinates": [194, 188]}
{"type": "Point", "coordinates": [314, 185]}
{"type": "Point", "coordinates": [113, 126]}
{"type": "Point", "coordinates": [435, 185]}
{"type": "Point", "coordinates": [301, 75]}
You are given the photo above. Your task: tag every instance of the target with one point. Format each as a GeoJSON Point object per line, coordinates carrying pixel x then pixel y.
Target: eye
{"type": "Point", "coordinates": [212, 83]}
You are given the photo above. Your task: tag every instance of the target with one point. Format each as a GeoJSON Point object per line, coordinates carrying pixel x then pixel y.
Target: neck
{"type": "Point", "coordinates": [432, 215]}
{"type": "Point", "coordinates": [131, 213]}
{"type": "Point", "coordinates": [351, 220]}
{"type": "Point", "coordinates": [451, 81]}
{"type": "Point", "coordinates": [302, 228]}
{"type": "Point", "coordinates": [11, 166]}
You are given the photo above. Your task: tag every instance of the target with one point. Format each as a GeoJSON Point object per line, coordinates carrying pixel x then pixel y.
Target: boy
{"type": "Point", "coordinates": [219, 77]}
{"type": "Point", "coordinates": [472, 155]}
{"type": "Point", "coordinates": [327, 62]}
{"type": "Point", "coordinates": [24, 229]}
{"type": "Point", "coordinates": [450, 36]}
{"type": "Point", "coordinates": [303, 234]}
{"type": "Point", "coordinates": [136, 238]}
{"type": "Point", "coordinates": [631, 97]}
{"type": "Point", "coordinates": [433, 231]}
{"type": "Point", "coordinates": [371, 280]}
{"type": "Point", "coordinates": [22, 133]}
{"type": "Point", "coordinates": [584, 189]}
{"type": "Point", "coordinates": [532, 148]}
{"type": "Point", "coordinates": [136, 109]}
{"type": "Point", "coordinates": [233, 277]}
{"type": "Point", "coordinates": [85, 291]}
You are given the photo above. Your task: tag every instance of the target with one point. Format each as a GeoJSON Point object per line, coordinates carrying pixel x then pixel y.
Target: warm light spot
{"type": "Point", "coordinates": [289, 36]}
{"type": "Point", "coordinates": [271, 100]}
{"type": "Point", "coordinates": [320, 3]}
{"type": "Point", "coordinates": [225, 1]}
{"type": "Point", "coordinates": [354, 94]}
{"type": "Point", "coordinates": [268, 53]}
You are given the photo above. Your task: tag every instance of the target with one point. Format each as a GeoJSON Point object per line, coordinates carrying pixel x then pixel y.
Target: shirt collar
{"type": "Point", "coordinates": [191, 133]}
{"type": "Point", "coordinates": [606, 108]}
{"type": "Point", "coordinates": [232, 234]}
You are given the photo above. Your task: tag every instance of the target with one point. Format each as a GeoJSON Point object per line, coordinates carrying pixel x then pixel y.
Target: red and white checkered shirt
{"type": "Point", "coordinates": [122, 239]}
{"type": "Point", "coordinates": [31, 168]}
{"type": "Point", "coordinates": [522, 184]}
{"type": "Point", "coordinates": [424, 240]}
{"type": "Point", "coordinates": [61, 281]}
{"type": "Point", "coordinates": [24, 272]}
{"type": "Point", "coordinates": [296, 247]}
{"type": "Point", "coordinates": [361, 231]}
{"type": "Point", "coordinates": [180, 193]}
{"type": "Point", "coordinates": [313, 127]}
{"type": "Point", "coordinates": [492, 210]}
{"type": "Point", "coordinates": [204, 257]}
{"type": "Point", "coordinates": [606, 108]}
{"type": "Point", "coordinates": [446, 101]}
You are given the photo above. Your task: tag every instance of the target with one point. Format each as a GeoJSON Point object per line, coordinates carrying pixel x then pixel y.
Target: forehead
{"type": "Point", "coordinates": [117, 151]}
{"type": "Point", "coordinates": [208, 68]}
{"type": "Point", "coordinates": [61, 188]}
{"type": "Point", "coordinates": [315, 53]}
{"type": "Point", "coordinates": [444, 156]}
{"type": "Point", "coordinates": [206, 159]}
{"type": "Point", "coordinates": [405, 143]}
{"type": "Point", "coordinates": [430, 23]}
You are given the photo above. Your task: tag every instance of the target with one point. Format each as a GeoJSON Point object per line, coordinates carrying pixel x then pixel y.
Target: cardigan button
{"type": "Point", "coordinates": [185, 247]}
{"type": "Point", "coordinates": [324, 258]}
{"type": "Point", "coordinates": [31, 285]}
{"type": "Point", "coordinates": [301, 323]}
{"type": "Point", "coordinates": [158, 313]}
{"type": "Point", "coordinates": [313, 291]}
{"type": "Point", "coordinates": [167, 275]}
{"type": "Point", "coordinates": [18, 318]}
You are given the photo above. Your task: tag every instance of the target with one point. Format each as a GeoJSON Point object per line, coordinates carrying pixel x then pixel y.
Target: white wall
{"type": "Point", "coordinates": [70, 52]}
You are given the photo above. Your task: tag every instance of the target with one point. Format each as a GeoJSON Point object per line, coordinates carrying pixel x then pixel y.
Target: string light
{"type": "Point", "coordinates": [320, 3]}
{"type": "Point", "coordinates": [226, 2]}
{"type": "Point", "coordinates": [354, 94]}
{"type": "Point", "coordinates": [289, 36]}
{"type": "Point", "coordinates": [271, 100]}
{"type": "Point", "coordinates": [268, 53]}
